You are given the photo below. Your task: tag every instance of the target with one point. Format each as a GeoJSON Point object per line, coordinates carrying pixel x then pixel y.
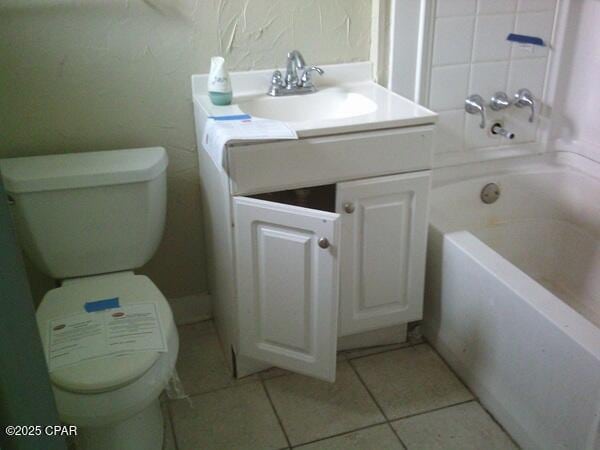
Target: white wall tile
{"type": "Point", "coordinates": [494, 65]}
{"type": "Point", "coordinates": [447, 8]}
{"type": "Point", "coordinates": [448, 87]}
{"type": "Point", "coordinates": [495, 6]}
{"type": "Point", "coordinates": [488, 78]}
{"type": "Point", "coordinates": [453, 40]}
{"type": "Point", "coordinates": [533, 24]}
{"type": "Point", "coordinates": [518, 122]}
{"type": "Point", "coordinates": [536, 5]}
{"type": "Point", "coordinates": [527, 73]}
{"type": "Point", "coordinates": [490, 42]}
{"type": "Point", "coordinates": [449, 131]}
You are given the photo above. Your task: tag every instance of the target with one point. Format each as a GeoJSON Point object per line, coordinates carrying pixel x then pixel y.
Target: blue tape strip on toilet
{"type": "Point", "coordinates": [101, 305]}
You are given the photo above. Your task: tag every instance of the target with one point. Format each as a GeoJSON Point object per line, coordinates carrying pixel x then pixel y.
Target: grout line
{"type": "Point", "coordinates": [287, 439]}
{"type": "Point", "coordinates": [397, 435]}
{"type": "Point", "coordinates": [499, 424]}
{"type": "Point", "coordinates": [511, 57]}
{"type": "Point", "coordinates": [366, 427]}
{"type": "Point", "coordinates": [451, 369]}
{"type": "Point", "coordinates": [377, 352]}
{"type": "Point", "coordinates": [369, 391]}
{"type": "Point", "coordinates": [476, 398]}
{"type": "Point", "coordinates": [452, 405]}
{"type": "Point", "coordinates": [235, 384]}
{"type": "Point", "coordinates": [473, 400]}
{"type": "Point", "coordinates": [376, 402]}
{"type": "Point", "coordinates": [465, 127]}
{"type": "Point", "coordinates": [386, 351]}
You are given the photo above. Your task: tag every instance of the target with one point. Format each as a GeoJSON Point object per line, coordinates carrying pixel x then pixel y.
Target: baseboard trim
{"type": "Point", "coordinates": [191, 308]}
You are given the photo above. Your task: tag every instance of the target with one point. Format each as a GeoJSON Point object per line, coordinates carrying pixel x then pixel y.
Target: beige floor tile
{"type": "Point", "coordinates": [410, 381]}
{"type": "Point", "coordinates": [461, 427]}
{"type": "Point", "coordinates": [311, 409]}
{"type": "Point", "coordinates": [201, 363]}
{"type": "Point", "coordinates": [169, 438]}
{"type": "Point", "coordinates": [240, 417]}
{"type": "Point", "coordinates": [379, 437]}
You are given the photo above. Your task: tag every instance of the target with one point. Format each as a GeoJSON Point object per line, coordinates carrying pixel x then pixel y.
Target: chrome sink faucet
{"type": "Point", "coordinates": [293, 84]}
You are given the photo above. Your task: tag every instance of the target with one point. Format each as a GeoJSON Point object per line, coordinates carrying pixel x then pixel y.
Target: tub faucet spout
{"type": "Point", "coordinates": [498, 130]}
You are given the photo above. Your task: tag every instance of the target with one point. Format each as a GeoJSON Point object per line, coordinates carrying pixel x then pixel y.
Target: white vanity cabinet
{"type": "Point", "coordinates": [315, 244]}
{"type": "Point", "coordinates": [348, 261]}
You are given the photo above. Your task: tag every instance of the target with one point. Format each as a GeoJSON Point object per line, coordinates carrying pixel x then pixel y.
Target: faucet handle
{"type": "Point", "coordinates": [276, 84]}
{"type": "Point", "coordinates": [277, 78]}
{"type": "Point", "coordinates": [475, 104]}
{"type": "Point", "coordinates": [524, 98]}
{"type": "Point", "coordinates": [306, 77]}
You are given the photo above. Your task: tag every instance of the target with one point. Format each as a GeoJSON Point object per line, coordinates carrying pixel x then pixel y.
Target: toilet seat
{"type": "Point", "coordinates": [112, 372]}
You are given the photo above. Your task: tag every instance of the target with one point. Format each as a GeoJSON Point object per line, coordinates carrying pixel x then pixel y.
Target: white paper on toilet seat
{"type": "Point", "coordinates": [117, 331]}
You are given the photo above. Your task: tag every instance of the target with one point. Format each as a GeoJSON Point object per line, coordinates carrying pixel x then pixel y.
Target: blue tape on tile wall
{"type": "Point", "coordinates": [524, 39]}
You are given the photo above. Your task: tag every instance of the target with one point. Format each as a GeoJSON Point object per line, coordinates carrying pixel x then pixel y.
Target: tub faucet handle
{"type": "Point", "coordinates": [500, 101]}
{"type": "Point", "coordinates": [524, 99]}
{"type": "Point", "coordinates": [475, 104]}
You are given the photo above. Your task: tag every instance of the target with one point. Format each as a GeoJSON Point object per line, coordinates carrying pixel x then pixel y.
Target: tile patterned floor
{"type": "Point", "coordinates": [385, 398]}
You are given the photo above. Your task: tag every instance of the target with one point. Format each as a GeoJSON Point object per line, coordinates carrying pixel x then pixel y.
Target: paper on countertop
{"type": "Point", "coordinates": [217, 133]}
{"type": "Point", "coordinates": [117, 331]}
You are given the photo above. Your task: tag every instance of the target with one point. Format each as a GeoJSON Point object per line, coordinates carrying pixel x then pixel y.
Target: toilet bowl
{"type": "Point", "coordinates": [88, 220]}
{"type": "Point", "coordinates": [113, 400]}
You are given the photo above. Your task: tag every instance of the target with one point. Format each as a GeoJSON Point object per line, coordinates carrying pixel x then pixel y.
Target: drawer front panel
{"type": "Point", "coordinates": [310, 162]}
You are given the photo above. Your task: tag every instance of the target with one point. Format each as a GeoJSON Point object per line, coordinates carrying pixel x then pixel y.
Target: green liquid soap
{"type": "Point", "coordinates": [220, 98]}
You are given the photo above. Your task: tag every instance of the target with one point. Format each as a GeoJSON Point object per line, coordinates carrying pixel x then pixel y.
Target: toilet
{"type": "Point", "coordinates": [88, 220]}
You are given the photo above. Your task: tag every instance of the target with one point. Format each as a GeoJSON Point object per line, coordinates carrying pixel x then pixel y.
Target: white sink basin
{"type": "Point", "coordinates": [347, 101]}
{"type": "Point", "coordinates": [327, 104]}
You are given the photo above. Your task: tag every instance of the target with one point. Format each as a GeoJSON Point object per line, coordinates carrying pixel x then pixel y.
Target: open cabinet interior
{"type": "Point", "coordinates": [321, 198]}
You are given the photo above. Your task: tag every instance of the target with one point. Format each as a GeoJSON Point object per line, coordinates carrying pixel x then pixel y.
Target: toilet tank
{"type": "Point", "coordinates": [88, 213]}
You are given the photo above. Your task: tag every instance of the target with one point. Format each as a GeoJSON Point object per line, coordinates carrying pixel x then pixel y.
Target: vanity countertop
{"type": "Point", "coordinates": [347, 101]}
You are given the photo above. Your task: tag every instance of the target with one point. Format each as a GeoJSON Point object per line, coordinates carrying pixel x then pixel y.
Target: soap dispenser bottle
{"type": "Point", "coordinates": [219, 85]}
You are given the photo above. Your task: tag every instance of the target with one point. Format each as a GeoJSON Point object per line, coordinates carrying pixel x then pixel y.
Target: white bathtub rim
{"type": "Point", "coordinates": [567, 320]}
{"type": "Point", "coordinates": [550, 162]}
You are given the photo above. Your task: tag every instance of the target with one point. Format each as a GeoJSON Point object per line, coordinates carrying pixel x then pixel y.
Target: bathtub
{"type": "Point", "coordinates": [513, 293]}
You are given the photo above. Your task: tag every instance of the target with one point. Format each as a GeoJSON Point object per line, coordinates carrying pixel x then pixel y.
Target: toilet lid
{"type": "Point", "coordinates": [110, 372]}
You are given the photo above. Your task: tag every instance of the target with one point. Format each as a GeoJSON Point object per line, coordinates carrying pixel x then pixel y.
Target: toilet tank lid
{"type": "Point", "coordinates": [78, 170]}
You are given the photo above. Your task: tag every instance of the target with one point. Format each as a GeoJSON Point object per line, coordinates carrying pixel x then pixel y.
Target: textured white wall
{"type": "Point", "coordinates": [83, 75]}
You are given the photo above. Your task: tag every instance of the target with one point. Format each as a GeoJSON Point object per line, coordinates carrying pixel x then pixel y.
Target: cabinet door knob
{"type": "Point", "coordinates": [323, 242]}
{"type": "Point", "coordinates": [349, 207]}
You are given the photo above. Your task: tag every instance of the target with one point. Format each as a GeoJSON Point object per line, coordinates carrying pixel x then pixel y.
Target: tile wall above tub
{"type": "Point", "coordinates": [472, 56]}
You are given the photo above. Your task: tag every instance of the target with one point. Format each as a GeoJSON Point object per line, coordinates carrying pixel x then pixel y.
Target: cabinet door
{"type": "Point", "coordinates": [287, 278]}
{"type": "Point", "coordinates": [384, 231]}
